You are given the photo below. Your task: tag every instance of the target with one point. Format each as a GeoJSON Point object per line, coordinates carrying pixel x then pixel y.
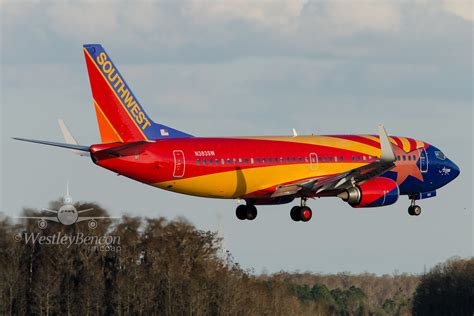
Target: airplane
{"type": "Point", "coordinates": [67, 214]}
{"type": "Point", "coordinates": [362, 170]}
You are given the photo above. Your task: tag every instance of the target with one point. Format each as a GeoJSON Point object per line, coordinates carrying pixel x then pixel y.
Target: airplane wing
{"type": "Point", "coordinates": [332, 185]}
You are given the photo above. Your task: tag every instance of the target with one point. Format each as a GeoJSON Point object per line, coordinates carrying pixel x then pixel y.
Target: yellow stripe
{"type": "Point", "coordinates": [405, 143]}
{"type": "Point", "coordinates": [107, 119]}
{"type": "Point", "coordinates": [237, 183]}
{"type": "Point", "coordinates": [375, 139]}
{"type": "Point", "coordinates": [419, 144]}
{"type": "Point", "coordinates": [327, 141]}
{"type": "Point", "coordinates": [392, 140]}
{"type": "Point", "coordinates": [126, 110]}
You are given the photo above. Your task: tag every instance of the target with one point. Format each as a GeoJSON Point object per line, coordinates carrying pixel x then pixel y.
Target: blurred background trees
{"type": "Point", "coordinates": [448, 289]}
{"type": "Point", "coordinates": [161, 267]}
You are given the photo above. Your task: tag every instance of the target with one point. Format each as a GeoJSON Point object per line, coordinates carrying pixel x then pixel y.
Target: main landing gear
{"type": "Point", "coordinates": [301, 213]}
{"type": "Point", "coordinates": [248, 211]}
{"type": "Point", "coordinates": [413, 209]}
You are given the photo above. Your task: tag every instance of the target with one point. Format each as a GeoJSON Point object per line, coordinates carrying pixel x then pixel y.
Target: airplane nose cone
{"type": "Point", "coordinates": [450, 170]}
{"type": "Point", "coordinates": [455, 171]}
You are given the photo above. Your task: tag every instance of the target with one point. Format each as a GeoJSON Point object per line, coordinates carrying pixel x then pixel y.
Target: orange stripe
{"type": "Point", "coordinates": [108, 133]}
{"type": "Point", "coordinates": [125, 108]}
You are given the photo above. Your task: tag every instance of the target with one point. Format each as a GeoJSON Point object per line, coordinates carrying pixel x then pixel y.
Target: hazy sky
{"type": "Point", "coordinates": [251, 68]}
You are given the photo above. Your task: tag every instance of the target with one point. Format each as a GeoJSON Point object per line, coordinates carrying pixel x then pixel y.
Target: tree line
{"type": "Point", "coordinates": [152, 266]}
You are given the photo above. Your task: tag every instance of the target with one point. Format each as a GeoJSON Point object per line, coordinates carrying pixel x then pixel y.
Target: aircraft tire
{"type": "Point", "coordinates": [294, 213]}
{"type": "Point", "coordinates": [241, 212]}
{"type": "Point", "coordinates": [251, 212]}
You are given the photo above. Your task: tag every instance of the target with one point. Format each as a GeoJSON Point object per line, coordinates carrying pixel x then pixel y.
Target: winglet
{"type": "Point", "coordinates": [66, 133]}
{"type": "Point", "coordinates": [69, 138]}
{"type": "Point", "coordinates": [387, 151]}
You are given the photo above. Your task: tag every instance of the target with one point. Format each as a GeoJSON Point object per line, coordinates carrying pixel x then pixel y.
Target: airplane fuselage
{"type": "Point", "coordinates": [252, 167]}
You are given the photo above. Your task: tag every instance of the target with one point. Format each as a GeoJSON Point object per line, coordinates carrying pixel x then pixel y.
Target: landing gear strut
{"type": "Point", "coordinates": [248, 211]}
{"type": "Point", "coordinates": [413, 209]}
{"type": "Point", "coordinates": [301, 213]}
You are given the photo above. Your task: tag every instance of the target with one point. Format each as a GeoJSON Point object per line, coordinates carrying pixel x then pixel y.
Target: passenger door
{"type": "Point", "coordinates": [179, 164]}
{"type": "Point", "coordinates": [313, 161]}
{"type": "Point", "coordinates": [423, 164]}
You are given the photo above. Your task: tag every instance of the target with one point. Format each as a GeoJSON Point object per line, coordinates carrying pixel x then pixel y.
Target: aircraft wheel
{"type": "Point", "coordinates": [305, 213]}
{"type": "Point", "coordinates": [416, 210]}
{"type": "Point", "coordinates": [251, 213]}
{"type": "Point", "coordinates": [294, 214]}
{"type": "Point", "coordinates": [241, 212]}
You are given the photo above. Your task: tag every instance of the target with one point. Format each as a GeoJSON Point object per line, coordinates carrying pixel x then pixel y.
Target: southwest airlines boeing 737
{"type": "Point", "coordinates": [362, 170]}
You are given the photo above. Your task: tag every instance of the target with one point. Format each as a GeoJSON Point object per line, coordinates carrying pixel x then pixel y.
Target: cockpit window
{"type": "Point", "coordinates": [440, 155]}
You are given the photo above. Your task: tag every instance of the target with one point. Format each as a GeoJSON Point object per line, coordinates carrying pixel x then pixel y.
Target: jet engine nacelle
{"type": "Point", "coordinates": [372, 193]}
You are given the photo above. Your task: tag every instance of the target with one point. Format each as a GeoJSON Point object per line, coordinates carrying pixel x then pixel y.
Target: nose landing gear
{"type": "Point", "coordinates": [301, 213]}
{"type": "Point", "coordinates": [413, 209]}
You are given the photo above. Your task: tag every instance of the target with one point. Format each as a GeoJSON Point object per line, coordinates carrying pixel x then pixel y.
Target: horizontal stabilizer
{"type": "Point", "coordinates": [43, 142]}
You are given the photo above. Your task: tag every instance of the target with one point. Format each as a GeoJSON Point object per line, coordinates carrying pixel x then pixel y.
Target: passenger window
{"type": "Point", "coordinates": [282, 160]}
{"type": "Point", "coordinates": [204, 161]}
{"type": "Point", "coordinates": [210, 161]}
{"type": "Point", "coordinates": [324, 159]}
{"type": "Point", "coordinates": [228, 161]}
{"type": "Point", "coordinates": [294, 159]}
{"type": "Point", "coordinates": [358, 158]}
{"type": "Point", "coordinates": [251, 161]}
{"type": "Point", "coordinates": [263, 160]}
{"type": "Point", "coordinates": [330, 158]}
{"type": "Point", "coordinates": [409, 157]}
{"type": "Point", "coordinates": [240, 160]}
{"type": "Point", "coordinates": [198, 162]}
{"type": "Point", "coordinates": [269, 160]}
{"type": "Point", "coordinates": [353, 158]}
{"type": "Point", "coordinates": [223, 161]}
{"type": "Point", "coordinates": [300, 159]}
{"type": "Point", "coordinates": [287, 159]}
{"type": "Point", "coordinates": [404, 157]}
{"type": "Point", "coordinates": [335, 158]}
{"type": "Point", "coordinates": [306, 159]}
{"type": "Point", "coordinates": [364, 158]}
{"type": "Point", "coordinates": [414, 157]}
{"type": "Point", "coordinates": [370, 157]}
{"type": "Point", "coordinates": [258, 160]}
{"type": "Point", "coordinates": [234, 160]}
{"type": "Point", "coordinates": [342, 158]}
{"type": "Point", "coordinates": [246, 160]}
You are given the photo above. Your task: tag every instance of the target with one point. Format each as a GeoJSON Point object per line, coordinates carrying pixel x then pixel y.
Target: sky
{"type": "Point", "coordinates": [250, 68]}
